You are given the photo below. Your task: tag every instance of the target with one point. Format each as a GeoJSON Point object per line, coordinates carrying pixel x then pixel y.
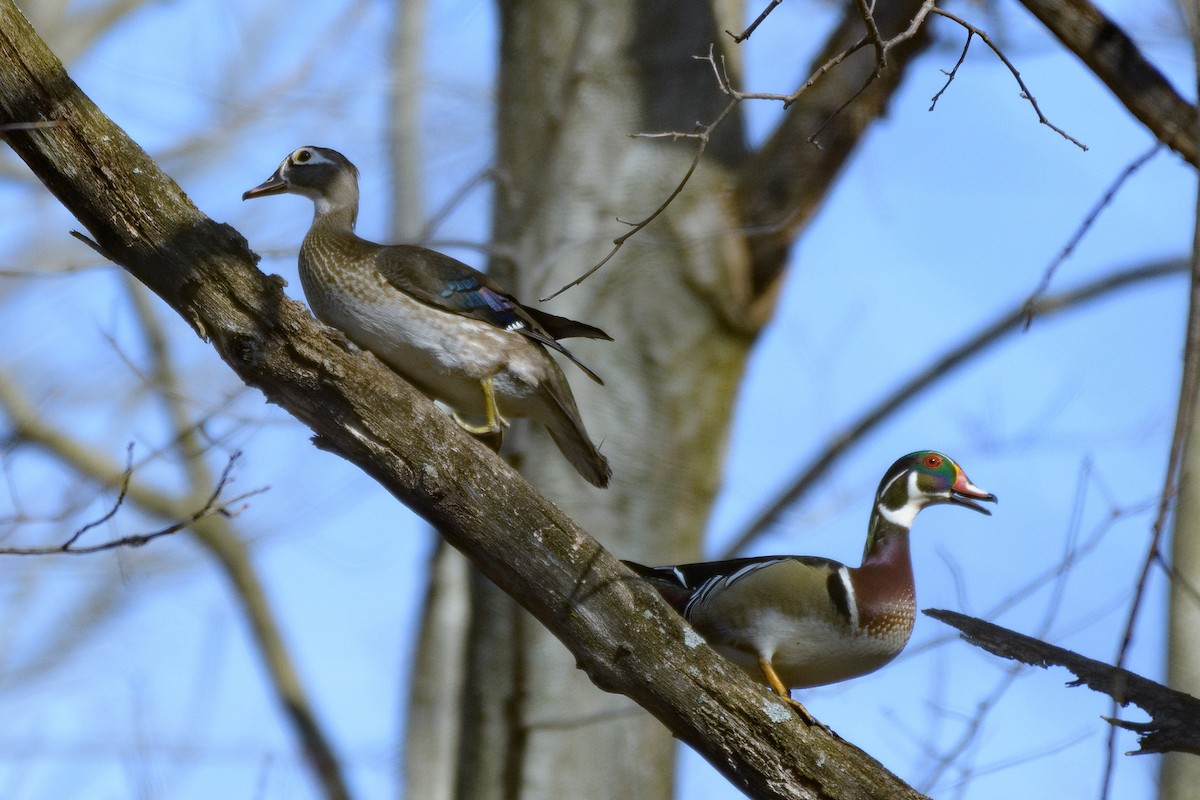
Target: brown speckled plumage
{"type": "Point", "coordinates": [446, 328]}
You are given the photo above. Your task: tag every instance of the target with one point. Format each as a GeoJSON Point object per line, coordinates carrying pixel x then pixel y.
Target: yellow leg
{"type": "Point", "coordinates": [493, 430]}
{"type": "Point", "coordinates": [773, 678]}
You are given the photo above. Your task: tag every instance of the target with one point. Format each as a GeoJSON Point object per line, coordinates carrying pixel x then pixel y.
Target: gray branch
{"type": "Point", "coordinates": [1174, 716]}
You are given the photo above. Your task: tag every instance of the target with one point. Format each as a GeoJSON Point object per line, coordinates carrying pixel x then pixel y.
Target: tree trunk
{"type": "Point", "coordinates": [1180, 774]}
{"type": "Point", "coordinates": [684, 300]}
{"type": "Point", "coordinates": [574, 84]}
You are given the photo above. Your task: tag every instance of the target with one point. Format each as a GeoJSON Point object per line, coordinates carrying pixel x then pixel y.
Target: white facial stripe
{"type": "Point", "coordinates": [883, 490]}
{"type": "Point", "coordinates": [313, 157]}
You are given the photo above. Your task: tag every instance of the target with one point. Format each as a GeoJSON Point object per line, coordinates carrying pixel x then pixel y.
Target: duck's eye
{"type": "Point", "coordinates": [933, 461]}
{"type": "Point", "coordinates": [302, 156]}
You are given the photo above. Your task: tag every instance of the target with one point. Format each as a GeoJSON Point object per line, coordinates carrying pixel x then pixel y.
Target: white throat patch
{"type": "Point", "coordinates": [907, 513]}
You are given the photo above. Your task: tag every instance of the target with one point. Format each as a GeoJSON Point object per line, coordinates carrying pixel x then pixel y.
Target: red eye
{"type": "Point", "coordinates": [933, 461]}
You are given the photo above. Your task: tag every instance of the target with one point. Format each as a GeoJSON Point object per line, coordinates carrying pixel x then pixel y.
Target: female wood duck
{"type": "Point", "coordinates": [446, 328]}
{"type": "Point", "coordinates": [801, 621]}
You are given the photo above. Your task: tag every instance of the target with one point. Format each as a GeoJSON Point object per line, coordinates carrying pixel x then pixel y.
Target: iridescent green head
{"type": "Point", "coordinates": [925, 478]}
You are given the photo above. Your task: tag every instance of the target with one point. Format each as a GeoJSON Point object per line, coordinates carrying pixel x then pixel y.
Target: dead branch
{"type": "Point", "coordinates": [953, 70]}
{"type": "Point", "coordinates": [783, 183]}
{"type": "Point", "coordinates": [1174, 723]}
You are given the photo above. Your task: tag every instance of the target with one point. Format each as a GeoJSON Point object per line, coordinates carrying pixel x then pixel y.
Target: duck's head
{"type": "Point", "coordinates": [323, 175]}
{"type": "Point", "coordinates": [926, 478]}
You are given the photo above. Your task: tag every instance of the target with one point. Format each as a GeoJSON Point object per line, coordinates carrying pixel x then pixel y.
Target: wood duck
{"type": "Point", "coordinates": [446, 328]}
{"type": "Point", "coordinates": [799, 621]}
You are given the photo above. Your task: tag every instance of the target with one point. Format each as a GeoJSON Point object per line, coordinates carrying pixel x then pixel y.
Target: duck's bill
{"type": "Point", "coordinates": [272, 185]}
{"type": "Point", "coordinates": [964, 493]}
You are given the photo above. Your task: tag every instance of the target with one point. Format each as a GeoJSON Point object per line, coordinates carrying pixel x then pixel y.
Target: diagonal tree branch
{"type": "Point", "coordinates": [622, 634]}
{"type": "Point", "coordinates": [1174, 716]}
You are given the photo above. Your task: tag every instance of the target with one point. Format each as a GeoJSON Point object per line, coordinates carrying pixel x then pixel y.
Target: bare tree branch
{"type": "Point", "coordinates": [235, 561]}
{"type": "Point", "coordinates": [1115, 59]}
{"type": "Point", "coordinates": [212, 531]}
{"type": "Point", "coordinates": [783, 183]}
{"type": "Point", "coordinates": [840, 47]}
{"type": "Point", "coordinates": [1174, 716]}
{"type": "Point", "coordinates": [744, 35]}
{"type": "Point", "coordinates": [1025, 93]}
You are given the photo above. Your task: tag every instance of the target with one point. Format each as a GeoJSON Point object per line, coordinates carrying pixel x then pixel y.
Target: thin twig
{"type": "Point", "coordinates": [116, 505]}
{"type": "Point", "coordinates": [209, 508]}
{"type": "Point", "coordinates": [1086, 225]}
{"type": "Point", "coordinates": [882, 48]}
{"type": "Point", "coordinates": [744, 35]}
{"type": "Point", "coordinates": [703, 137]}
{"type": "Point", "coordinates": [954, 71]}
{"type": "Point", "coordinates": [1025, 93]}
{"type": "Point", "coordinates": [866, 11]}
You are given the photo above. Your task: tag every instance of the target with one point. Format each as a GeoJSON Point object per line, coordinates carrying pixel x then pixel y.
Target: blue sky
{"type": "Point", "coordinates": [942, 221]}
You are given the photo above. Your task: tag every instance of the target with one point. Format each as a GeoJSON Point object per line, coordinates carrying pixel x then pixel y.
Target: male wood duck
{"type": "Point", "coordinates": [446, 328]}
{"type": "Point", "coordinates": [799, 621]}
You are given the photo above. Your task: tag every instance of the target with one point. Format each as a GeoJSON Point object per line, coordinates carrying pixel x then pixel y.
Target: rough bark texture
{"type": "Point", "coordinates": [619, 631]}
{"type": "Point", "coordinates": [1174, 716]}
